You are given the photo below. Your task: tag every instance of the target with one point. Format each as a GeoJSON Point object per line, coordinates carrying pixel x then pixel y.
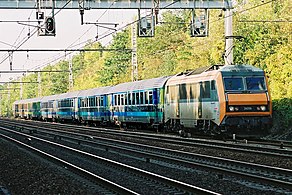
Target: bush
{"type": "Point", "coordinates": [282, 114]}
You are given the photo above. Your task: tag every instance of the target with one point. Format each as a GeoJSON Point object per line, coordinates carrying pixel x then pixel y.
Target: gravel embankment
{"type": "Point", "coordinates": [24, 173]}
{"type": "Point", "coordinates": [40, 177]}
{"type": "Point", "coordinates": [246, 157]}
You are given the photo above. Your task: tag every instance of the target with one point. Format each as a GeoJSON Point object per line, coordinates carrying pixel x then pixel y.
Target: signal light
{"type": "Point", "coordinates": [50, 26]}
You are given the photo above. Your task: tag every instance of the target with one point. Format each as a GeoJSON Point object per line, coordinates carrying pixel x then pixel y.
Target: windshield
{"type": "Point", "coordinates": [233, 84]}
{"type": "Point", "coordinates": [255, 83]}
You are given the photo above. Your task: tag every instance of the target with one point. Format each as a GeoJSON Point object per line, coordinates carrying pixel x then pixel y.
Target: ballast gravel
{"type": "Point", "coordinates": [22, 172]}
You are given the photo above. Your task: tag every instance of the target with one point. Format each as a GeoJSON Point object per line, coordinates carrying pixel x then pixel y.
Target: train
{"type": "Point", "coordinates": [229, 99]}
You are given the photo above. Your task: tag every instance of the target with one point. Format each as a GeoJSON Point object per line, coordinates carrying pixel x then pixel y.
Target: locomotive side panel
{"type": "Point", "coordinates": [192, 101]}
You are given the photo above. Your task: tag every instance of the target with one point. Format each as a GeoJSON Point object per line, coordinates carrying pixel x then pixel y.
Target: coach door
{"type": "Point", "coordinates": [75, 105]}
{"type": "Point", "coordinates": [200, 103]}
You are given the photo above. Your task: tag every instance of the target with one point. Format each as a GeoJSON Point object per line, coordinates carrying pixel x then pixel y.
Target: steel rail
{"type": "Point", "coordinates": [180, 185]}
{"type": "Point", "coordinates": [91, 176]}
{"type": "Point", "coordinates": [176, 157]}
{"type": "Point", "coordinates": [184, 141]}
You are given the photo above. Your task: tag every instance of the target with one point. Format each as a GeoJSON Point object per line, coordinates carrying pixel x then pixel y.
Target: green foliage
{"type": "Point", "coordinates": [282, 114]}
{"type": "Point", "coordinates": [268, 45]}
{"type": "Point", "coordinates": [117, 64]}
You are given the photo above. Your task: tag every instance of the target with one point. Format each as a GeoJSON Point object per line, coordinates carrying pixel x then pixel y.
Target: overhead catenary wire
{"type": "Point", "coordinates": [72, 44]}
{"type": "Point", "coordinates": [121, 28]}
{"type": "Point", "coordinates": [34, 32]}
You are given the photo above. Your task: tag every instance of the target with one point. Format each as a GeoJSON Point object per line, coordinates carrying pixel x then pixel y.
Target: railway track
{"type": "Point", "coordinates": [250, 171]}
{"type": "Point", "coordinates": [103, 185]}
{"type": "Point", "coordinates": [252, 147]}
{"type": "Point", "coordinates": [93, 164]}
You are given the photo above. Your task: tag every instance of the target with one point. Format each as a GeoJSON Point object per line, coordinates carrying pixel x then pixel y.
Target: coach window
{"type": "Point", "coordinates": [137, 98]}
{"type": "Point", "coordinates": [101, 101]}
{"type": "Point", "coordinates": [126, 99]}
{"type": "Point", "coordinates": [97, 99]}
{"type": "Point", "coordinates": [115, 100]}
{"type": "Point", "coordinates": [129, 98]}
{"type": "Point", "coordinates": [93, 101]}
{"type": "Point", "coordinates": [150, 97]}
{"type": "Point", "coordinates": [133, 98]}
{"type": "Point", "coordinates": [146, 97]}
{"type": "Point", "coordinates": [85, 102]}
{"type": "Point", "coordinates": [119, 100]}
{"type": "Point", "coordinates": [71, 102]}
{"type": "Point", "coordinates": [141, 97]}
{"type": "Point", "coordinates": [122, 99]}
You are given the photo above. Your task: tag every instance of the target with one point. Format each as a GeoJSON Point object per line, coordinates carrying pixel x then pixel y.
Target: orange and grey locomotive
{"type": "Point", "coordinates": [232, 99]}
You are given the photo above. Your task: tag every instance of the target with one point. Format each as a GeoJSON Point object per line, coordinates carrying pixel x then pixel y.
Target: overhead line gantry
{"type": "Point", "coordinates": [120, 4]}
{"type": "Point", "coordinates": [145, 24]}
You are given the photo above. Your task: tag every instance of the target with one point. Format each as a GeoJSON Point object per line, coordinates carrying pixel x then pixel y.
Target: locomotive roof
{"type": "Point", "coordinates": [240, 68]}
{"type": "Point", "coordinates": [140, 85]}
{"type": "Point", "coordinates": [94, 91]}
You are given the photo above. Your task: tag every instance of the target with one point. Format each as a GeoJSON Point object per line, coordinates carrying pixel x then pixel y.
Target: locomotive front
{"type": "Point", "coordinates": [245, 102]}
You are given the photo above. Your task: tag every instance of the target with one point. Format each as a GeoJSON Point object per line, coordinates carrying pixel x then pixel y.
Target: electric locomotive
{"type": "Point", "coordinates": [232, 99]}
{"type": "Point", "coordinates": [216, 99]}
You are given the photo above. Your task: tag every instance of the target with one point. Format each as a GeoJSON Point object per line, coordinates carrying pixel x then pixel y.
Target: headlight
{"type": "Point", "coordinates": [263, 108]}
{"type": "Point", "coordinates": [236, 108]}
{"type": "Point", "coordinates": [231, 108]}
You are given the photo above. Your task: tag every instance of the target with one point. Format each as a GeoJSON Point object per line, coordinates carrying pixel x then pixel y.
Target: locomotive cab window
{"type": "Point", "coordinates": [255, 83]}
{"type": "Point", "coordinates": [233, 84]}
